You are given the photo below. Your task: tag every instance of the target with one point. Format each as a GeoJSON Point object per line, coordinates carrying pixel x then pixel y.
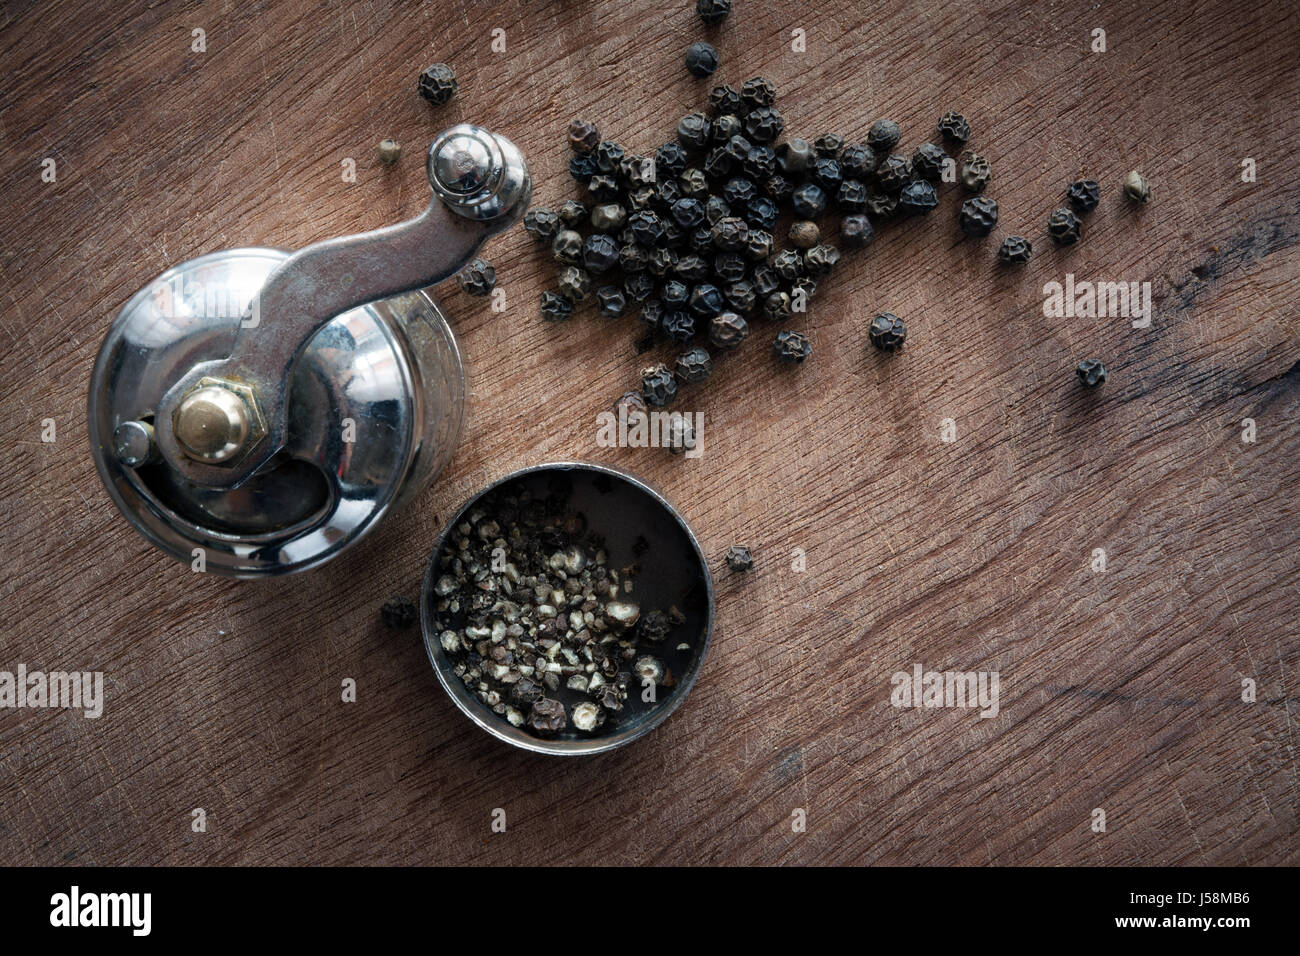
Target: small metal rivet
{"type": "Point", "coordinates": [133, 443]}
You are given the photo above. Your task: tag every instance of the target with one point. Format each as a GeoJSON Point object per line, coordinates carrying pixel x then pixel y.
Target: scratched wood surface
{"type": "Point", "coordinates": [1120, 690]}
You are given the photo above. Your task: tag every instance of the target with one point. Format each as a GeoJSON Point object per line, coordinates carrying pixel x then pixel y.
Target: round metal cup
{"type": "Point", "coordinates": [673, 572]}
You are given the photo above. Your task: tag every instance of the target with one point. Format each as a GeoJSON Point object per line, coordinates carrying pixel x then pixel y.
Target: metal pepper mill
{"type": "Point", "coordinates": [259, 411]}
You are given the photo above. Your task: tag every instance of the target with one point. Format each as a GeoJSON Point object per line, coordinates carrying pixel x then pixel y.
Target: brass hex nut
{"type": "Point", "coordinates": [218, 421]}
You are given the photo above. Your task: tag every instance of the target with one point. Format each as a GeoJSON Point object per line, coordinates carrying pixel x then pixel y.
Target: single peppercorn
{"type": "Point", "coordinates": [599, 253]}
{"type": "Point", "coordinates": [928, 161]}
{"type": "Point", "coordinates": [636, 171]}
{"type": "Point", "coordinates": [390, 151]}
{"type": "Point", "coordinates": [1015, 250]}
{"type": "Point", "coordinates": [477, 278]}
{"type": "Point", "coordinates": [917, 197]}
{"type": "Point", "coordinates": [954, 128]}
{"type": "Point", "coordinates": [673, 294]}
{"type": "Point", "coordinates": [670, 160]}
{"type": "Point", "coordinates": [583, 168]}
{"type": "Point", "coordinates": [792, 347]}
{"type": "Point", "coordinates": [609, 156]}
{"type": "Point", "coordinates": [437, 84]}
{"type": "Point", "coordinates": [727, 330]}
{"type": "Point", "coordinates": [1136, 188]}
{"type": "Point", "coordinates": [978, 216]}
{"type": "Point", "coordinates": [718, 163]}
{"type": "Point", "coordinates": [764, 280]}
{"type": "Point", "coordinates": [713, 11]}
{"type": "Point", "coordinates": [893, 173]}
{"type": "Point", "coordinates": [1091, 372]}
{"type": "Point", "coordinates": [652, 315]}
{"type": "Point", "coordinates": [693, 366]}
{"type": "Point", "coordinates": [1064, 226]}
{"type": "Point", "coordinates": [694, 183]}
{"type": "Point", "coordinates": [975, 172]}
{"type": "Point", "coordinates": [724, 127]}
{"type": "Point", "coordinates": [632, 258]}
{"type": "Point", "coordinates": [795, 156]}
{"type": "Point", "coordinates": [856, 231]}
{"type": "Point", "coordinates": [574, 283]}
{"type": "Point", "coordinates": [687, 212]}
{"type": "Point", "coordinates": [809, 201]}
{"type": "Point", "coordinates": [738, 147]}
{"type": "Point", "coordinates": [828, 145]}
{"type": "Point", "coordinates": [658, 385]}
{"type": "Point", "coordinates": [567, 246]}
{"type": "Point", "coordinates": [887, 332]}
{"type": "Point", "coordinates": [880, 205]}
{"type": "Point", "coordinates": [788, 264]}
{"type": "Point", "coordinates": [857, 162]}
{"type": "Point", "coordinates": [573, 213]}
{"type": "Point", "coordinates": [693, 131]}
{"type": "Point", "coordinates": [630, 406]}
{"type": "Point", "coordinates": [760, 162]}
{"type": "Point", "coordinates": [604, 188]}
{"type": "Point", "coordinates": [801, 290]}
{"type": "Point", "coordinates": [764, 124]}
{"type": "Point", "coordinates": [738, 191]}
{"type": "Point", "coordinates": [715, 208]}
{"type": "Point", "coordinates": [725, 99]}
{"type": "Point", "coordinates": [778, 188]}
{"type": "Point", "coordinates": [739, 558]}
{"type": "Point", "coordinates": [583, 136]}
{"type": "Point", "coordinates": [639, 286]}
{"type": "Point", "coordinates": [678, 325]}
{"type": "Point", "coordinates": [556, 307]}
{"type": "Point", "coordinates": [761, 214]}
{"type": "Point", "coordinates": [730, 267]}
{"type": "Point", "coordinates": [730, 234]}
{"type": "Point", "coordinates": [740, 295]}
{"type": "Point", "coordinates": [804, 234]}
{"type": "Point", "coordinates": [646, 228]}
{"type": "Point", "coordinates": [706, 300]}
{"type": "Point", "coordinates": [1083, 195]}
{"type": "Point", "coordinates": [701, 59]}
{"type": "Point", "coordinates": [693, 268]}
{"type": "Point", "coordinates": [883, 135]}
{"type": "Point", "coordinates": [758, 91]}
{"type": "Point", "coordinates": [610, 301]}
{"type": "Point", "coordinates": [777, 306]}
{"type": "Point", "coordinates": [542, 224]}
{"type": "Point", "coordinates": [826, 173]}
{"type": "Point", "coordinates": [399, 613]}
{"type": "Point", "coordinates": [820, 260]}
{"type": "Point", "coordinates": [661, 261]}
{"type": "Point", "coordinates": [608, 217]}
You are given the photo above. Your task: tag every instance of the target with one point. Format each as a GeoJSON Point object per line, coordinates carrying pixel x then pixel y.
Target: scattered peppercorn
{"type": "Point", "coordinates": [954, 128]}
{"type": "Point", "coordinates": [820, 260]}
{"type": "Point", "coordinates": [978, 216]}
{"type": "Point", "coordinates": [599, 253]}
{"type": "Point", "coordinates": [893, 173]}
{"type": "Point", "coordinates": [975, 172]}
{"type": "Point", "coordinates": [658, 385]}
{"type": "Point", "coordinates": [883, 135]}
{"type": "Point", "coordinates": [804, 234]}
{"type": "Point", "coordinates": [399, 613]}
{"type": "Point", "coordinates": [792, 347]}
{"type": "Point", "coordinates": [567, 246]}
{"type": "Point", "coordinates": [887, 332]}
{"type": "Point", "coordinates": [739, 558]}
{"type": "Point", "coordinates": [583, 136]}
{"type": "Point", "coordinates": [758, 91]}
{"type": "Point", "coordinates": [809, 201]}
{"type": "Point", "coordinates": [390, 151]}
{"type": "Point", "coordinates": [1064, 226]}
{"type": "Point", "coordinates": [701, 59]}
{"type": "Point", "coordinates": [610, 301]}
{"type": "Point", "coordinates": [1083, 195]}
{"type": "Point", "coordinates": [1091, 372]}
{"type": "Point", "coordinates": [727, 330]}
{"type": "Point", "coordinates": [918, 197]}
{"type": "Point", "coordinates": [693, 366]}
{"type": "Point", "coordinates": [542, 224]}
{"type": "Point", "coordinates": [477, 278]}
{"type": "Point", "coordinates": [856, 231]}
{"type": "Point", "coordinates": [573, 213]}
{"type": "Point", "coordinates": [1015, 250]}
{"type": "Point", "coordinates": [713, 11]}
{"type": "Point", "coordinates": [437, 84]}
{"type": "Point", "coordinates": [1136, 188]}
{"type": "Point", "coordinates": [556, 307]}
{"type": "Point", "coordinates": [928, 161]}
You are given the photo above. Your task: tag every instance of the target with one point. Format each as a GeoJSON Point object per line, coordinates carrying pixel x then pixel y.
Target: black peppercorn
{"type": "Point", "coordinates": [880, 206]}
{"type": "Point", "coordinates": [542, 224]}
{"type": "Point", "coordinates": [604, 188]}
{"type": "Point", "coordinates": [718, 163]}
{"type": "Point", "coordinates": [713, 11]}
{"type": "Point", "coordinates": [851, 196]}
{"type": "Point", "coordinates": [764, 124]}
{"type": "Point", "coordinates": [820, 260]}
{"type": "Point", "coordinates": [583, 168]}
{"type": "Point", "coordinates": [739, 191]}
{"type": "Point", "coordinates": [399, 613]}
{"type": "Point", "coordinates": [567, 246]}
{"type": "Point", "coordinates": [678, 325]}
{"type": "Point", "coordinates": [693, 131]}
{"type": "Point", "coordinates": [809, 201]}
{"type": "Point", "coordinates": [778, 188]}
{"type": "Point", "coordinates": [758, 91]}
{"type": "Point", "coordinates": [893, 173]}
{"type": "Point", "coordinates": [652, 315]}
{"type": "Point", "coordinates": [791, 347]}
{"type": "Point", "coordinates": [1136, 187]}
{"type": "Point", "coordinates": [856, 231]}
{"type": "Point", "coordinates": [1091, 372]}
{"type": "Point", "coordinates": [646, 227]}
{"type": "Point", "coordinates": [706, 301]}
{"type": "Point", "coordinates": [954, 128]}
{"type": "Point", "coordinates": [574, 283]}
{"type": "Point", "coordinates": [639, 286]}
{"type": "Point", "coordinates": [795, 156]}
{"type": "Point", "coordinates": [608, 156]}
{"type": "Point", "coordinates": [688, 212]}
{"type": "Point", "coordinates": [730, 267]}
{"type": "Point", "coordinates": [693, 365]}
{"type": "Point", "coordinates": [610, 301]}
{"type": "Point", "coordinates": [670, 190]}
{"type": "Point", "coordinates": [477, 278]}
{"type": "Point", "coordinates": [777, 306]}
{"type": "Point", "coordinates": [788, 264]}
{"type": "Point", "coordinates": [975, 172]}
{"type": "Point", "coordinates": [658, 385]}
{"type": "Point", "coordinates": [701, 59]}
{"type": "Point", "coordinates": [729, 234]}
{"type": "Point", "coordinates": [826, 173]}
{"type": "Point", "coordinates": [725, 100]}
{"type": "Point", "coordinates": [583, 136]}
{"type": "Point", "coordinates": [674, 294]}
{"type": "Point", "coordinates": [725, 127]}
{"type": "Point", "coordinates": [599, 253]}
{"type": "Point", "coordinates": [978, 216]}
{"type": "Point", "coordinates": [700, 241]}
{"type": "Point", "coordinates": [555, 307]}
{"type": "Point", "coordinates": [547, 716]}
{"type": "Point", "coordinates": [928, 161]}
{"type": "Point", "coordinates": [760, 162]}
{"type": "Point", "coordinates": [1083, 195]}
{"type": "Point", "coordinates": [1015, 250]}
{"type": "Point", "coordinates": [694, 183]}
{"type": "Point", "coordinates": [661, 261]}
{"type": "Point", "coordinates": [883, 135]}
{"type": "Point", "coordinates": [1064, 226]}
{"type": "Point", "coordinates": [801, 290]}
{"type": "Point", "coordinates": [758, 246]}
{"type": "Point", "coordinates": [643, 197]}
{"type": "Point", "coordinates": [693, 268]}
{"type": "Point", "coordinates": [887, 332]}
{"type": "Point", "coordinates": [762, 213]}
{"type": "Point", "coordinates": [737, 147]}
{"type": "Point", "coordinates": [740, 295]}
{"type": "Point", "coordinates": [632, 258]}
{"type": "Point", "coordinates": [608, 217]}
{"type": "Point", "coordinates": [857, 162]}
{"type": "Point", "coordinates": [828, 145]}
{"type": "Point", "coordinates": [727, 330]}
{"type": "Point", "coordinates": [918, 197]}
{"type": "Point", "coordinates": [437, 84]}
{"type": "Point", "coordinates": [765, 281]}
{"type": "Point", "coordinates": [635, 171]}
{"type": "Point", "coordinates": [670, 160]}
{"type": "Point", "coordinates": [804, 234]}
{"type": "Point", "coordinates": [715, 208]}
{"type": "Point", "coordinates": [573, 213]}
{"type": "Point", "coordinates": [739, 558]}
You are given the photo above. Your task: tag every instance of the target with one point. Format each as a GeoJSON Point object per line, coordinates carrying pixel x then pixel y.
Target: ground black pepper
{"type": "Point", "coordinates": [887, 332]}
{"type": "Point", "coordinates": [437, 84]}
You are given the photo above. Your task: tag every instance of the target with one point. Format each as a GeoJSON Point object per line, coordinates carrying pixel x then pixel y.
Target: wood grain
{"type": "Point", "coordinates": [1120, 690]}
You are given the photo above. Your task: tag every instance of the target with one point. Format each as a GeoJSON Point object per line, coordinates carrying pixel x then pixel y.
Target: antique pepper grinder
{"type": "Point", "coordinates": [261, 411]}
